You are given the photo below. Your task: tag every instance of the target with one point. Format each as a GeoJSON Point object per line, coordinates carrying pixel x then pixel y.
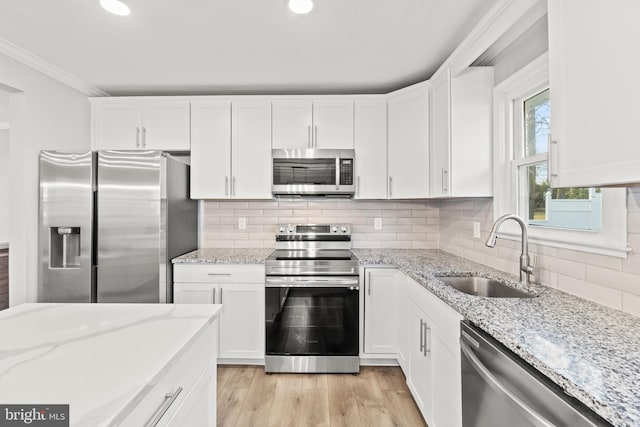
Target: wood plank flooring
{"type": "Point", "coordinates": [4, 278]}
{"type": "Point", "coordinates": [377, 397]}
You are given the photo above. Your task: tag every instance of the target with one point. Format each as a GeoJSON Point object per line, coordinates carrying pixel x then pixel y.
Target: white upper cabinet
{"type": "Point", "coordinates": [303, 124]}
{"type": "Point", "coordinates": [408, 139]}
{"type": "Point", "coordinates": [292, 123]}
{"type": "Point", "coordinates": [333, 124]}
{"type": "Point", "coordinates": [210, 149]}
{"type": "Point", "coordinates": [371, 148]}
{"type": "Point", "coordinates": [594, 92]}
{"type": "Point", "coordinates": [134, 125]}
{"type": "Point", "coordinates": [461, 133]}
{"type": "Point", "coordinates": [251, 149]}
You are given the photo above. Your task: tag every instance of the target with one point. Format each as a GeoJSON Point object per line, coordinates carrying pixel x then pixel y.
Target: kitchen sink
{"type": "Point", "coordinates": [482, 287]}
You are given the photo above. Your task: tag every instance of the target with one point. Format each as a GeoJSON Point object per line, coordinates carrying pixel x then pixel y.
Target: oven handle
{"type": "Point", "coordinates": [333, 282]}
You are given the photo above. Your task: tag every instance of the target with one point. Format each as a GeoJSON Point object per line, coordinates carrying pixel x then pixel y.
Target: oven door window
{"type": "Point", "coordinates": [312, 321]}
{"type": "Point", "coordinates": [304, 171]}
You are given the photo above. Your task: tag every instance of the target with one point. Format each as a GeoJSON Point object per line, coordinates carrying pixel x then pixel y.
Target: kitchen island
{"type": "Point", "coordinates": [113, 364]}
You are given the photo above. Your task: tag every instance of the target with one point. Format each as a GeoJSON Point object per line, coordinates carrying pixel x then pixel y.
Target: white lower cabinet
{"type": "Point", "coordinates": [240, 289]}
{"type": "Point", "coordinates": [420, 378]}
{"type": "Point", "coordinates": [379, 310]}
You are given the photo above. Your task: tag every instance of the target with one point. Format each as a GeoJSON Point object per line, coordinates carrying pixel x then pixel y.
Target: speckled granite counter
{"type": "Point", "coordinates": [225, 256]}
{"type": "Point", "coordinates": [591, 351]}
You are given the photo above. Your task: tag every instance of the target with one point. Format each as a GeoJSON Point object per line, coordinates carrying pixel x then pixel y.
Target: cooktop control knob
{"type": "Point", "coordinates": [343, 229]}
{"type": "Point", "coordinates": [292, 229]}
{"type": "Point", "coordinates": [334, 229]}
{"type": "Point", "coordinates": [282, 229]}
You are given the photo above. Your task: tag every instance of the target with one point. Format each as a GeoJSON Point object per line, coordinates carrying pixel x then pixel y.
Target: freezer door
{"type": "Point", "coordinates": [65, 220]}
{"type": "Point", "coordinates": [129, 226]}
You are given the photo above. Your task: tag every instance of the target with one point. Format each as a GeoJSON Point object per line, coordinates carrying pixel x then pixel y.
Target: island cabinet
{"type": "Point", "coordinates": [461, 133]}
{"type": "Point", "coordinates": [132, 124]}
{"type": "Point", "coordinates": [240, 290]}
{"type": "Point", "coordinates": [313, 123]}
{"type": "Point", "coordinates": [231, 149]}
{"type": "Point", "coordinates": [594, 91]}
{"type": "Point", "coordinates": [408, 143]}
{"type": "Point", "coordinates": [186, 393]}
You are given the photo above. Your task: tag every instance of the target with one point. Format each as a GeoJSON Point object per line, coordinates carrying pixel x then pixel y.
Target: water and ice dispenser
{"type": "Point", "coordinates": [65, 247]}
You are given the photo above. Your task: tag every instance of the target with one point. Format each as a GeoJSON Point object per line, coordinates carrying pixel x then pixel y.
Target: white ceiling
{"type": "Point", "coordinates": [243, 46]}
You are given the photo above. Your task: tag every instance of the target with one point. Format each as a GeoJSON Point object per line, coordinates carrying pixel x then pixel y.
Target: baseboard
{"type": "Point", "coordinates": [252, 362]}
{"type": "Point", "coordinates": [379, 362]}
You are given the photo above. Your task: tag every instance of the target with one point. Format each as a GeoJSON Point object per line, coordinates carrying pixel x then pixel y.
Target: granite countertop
{"type": "Point", "coordinates": [101, 359]}
{"type": "Point", "coordinates": [591, 351]}
{"type": "Point", "coordinates": [225, 256]}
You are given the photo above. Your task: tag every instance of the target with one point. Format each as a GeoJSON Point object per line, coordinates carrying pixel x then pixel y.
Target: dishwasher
{"type": "Point", "coordinates": [500, 389]}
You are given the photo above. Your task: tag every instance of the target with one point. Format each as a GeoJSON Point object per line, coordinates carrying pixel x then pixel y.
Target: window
{"type": "Point", "coordinates": [585, 219]}
{"type": "Point", "coordinates": [571, 208]}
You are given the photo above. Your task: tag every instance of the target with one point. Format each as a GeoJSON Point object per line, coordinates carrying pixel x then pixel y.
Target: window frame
{"type": "Point", "coordinates": [610, 240]}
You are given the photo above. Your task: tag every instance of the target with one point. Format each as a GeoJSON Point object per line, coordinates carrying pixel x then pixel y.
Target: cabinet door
{"type": "Point", "coordinates": [594, 103]}
{"type": "Point", "coordinates": [440, 135]}
{"type": "Point", "coordinates": [242, 321]}
{"type": "Point", "coordinates": [292, 122]}
{"type": "Point", "coordinates": [409, 143]}
{"type": "Point", "coordinates": [210, 149]}
{"type": "Point", "coordinates": [333, 124]}
{"type": "Point", "coordinates": [371, 148]}
{"type": "Point", "coordinates": [165, 125]}
{"type": "Point", "coordinates": [447, 381]}
{"type": "Point", "coordinates": [194, 293]}
{"type": "Point", "coordinates": [379, 314]}
{"type": "Point", "coordinates": [251, 150]}
{"type": "Point", "coordinates": [117, 126]}
{"type": "Point", "coordinates": [421, 377]}
{"type": "Point", "coordinates": [199, 407]}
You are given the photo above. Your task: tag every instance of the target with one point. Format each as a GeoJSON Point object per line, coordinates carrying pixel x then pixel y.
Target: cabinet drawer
{"type": "Point", "coordinates": [218, 273]}
{"type": "Point", "coordinates": [184, 373]}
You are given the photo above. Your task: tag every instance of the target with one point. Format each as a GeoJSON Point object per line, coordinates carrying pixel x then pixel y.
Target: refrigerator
{"type": "Point", "coordinates": [110, 223]}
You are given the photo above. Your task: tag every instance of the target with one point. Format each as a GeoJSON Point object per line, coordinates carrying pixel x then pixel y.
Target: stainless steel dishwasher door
{"type": "Point", "coordinates": [500, 390]}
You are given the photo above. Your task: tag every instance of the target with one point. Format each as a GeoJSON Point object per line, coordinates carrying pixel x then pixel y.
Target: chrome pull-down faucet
{"type": "Point", "coordinates": [526, 266]}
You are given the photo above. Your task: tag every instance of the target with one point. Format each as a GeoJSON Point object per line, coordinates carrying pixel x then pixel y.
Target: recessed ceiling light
{"type": "Point", "coordinates": [300, 6]}
{"type": "Point", "coordinates": [116, 7]}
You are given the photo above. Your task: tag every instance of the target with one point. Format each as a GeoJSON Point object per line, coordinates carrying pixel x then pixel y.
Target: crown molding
{"type": "Point", "coordinates": [39, 64]}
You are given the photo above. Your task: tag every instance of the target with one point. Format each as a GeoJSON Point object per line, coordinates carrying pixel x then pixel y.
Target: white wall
{"type": "Point", "coordinates": [45, 114]}
{"type": "Point", "coordinates": [4, 187]}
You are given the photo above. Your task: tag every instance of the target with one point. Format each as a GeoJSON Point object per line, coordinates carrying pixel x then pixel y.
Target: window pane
{"type": "Point", "coordinates": [536, 123]}
{"type": "Point", "coordinates": [574, 208]}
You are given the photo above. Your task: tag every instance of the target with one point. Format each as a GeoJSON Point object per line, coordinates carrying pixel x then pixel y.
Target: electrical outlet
{"type": "Point", "coordinates": [476, 230]}
{"type": "Point", "coordinates": [377, 223]}
{"type": "Point", "coordinates": [242, 223]}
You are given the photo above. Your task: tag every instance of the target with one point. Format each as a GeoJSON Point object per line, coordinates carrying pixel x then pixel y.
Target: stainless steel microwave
{"type": "Point", "coordinates": [313, 172]}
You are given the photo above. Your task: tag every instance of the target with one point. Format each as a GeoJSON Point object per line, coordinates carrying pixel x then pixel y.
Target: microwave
{"type": "Point", "coordinates": [313, 172]}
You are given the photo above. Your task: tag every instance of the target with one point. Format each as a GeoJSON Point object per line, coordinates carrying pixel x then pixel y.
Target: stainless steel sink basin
{"type": "Point", "coordinates": [481, 287]}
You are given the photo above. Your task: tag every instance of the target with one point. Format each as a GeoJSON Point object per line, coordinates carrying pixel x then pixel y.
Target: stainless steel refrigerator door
{"type": "Point", "coordinates": [66, 222]}
{"type": "Point", "coordinates": [129, 226]}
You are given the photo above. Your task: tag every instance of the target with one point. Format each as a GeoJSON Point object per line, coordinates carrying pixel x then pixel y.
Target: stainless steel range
{"type": "Point", "coordinates": [312, 301]}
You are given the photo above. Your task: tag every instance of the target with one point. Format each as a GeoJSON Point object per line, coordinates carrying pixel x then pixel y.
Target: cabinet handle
{"type": "Point", "coordinates": [214, 297]}
{"type": "Point", "coordinates": [358, 186]}
{"type": "Point", "coordinates": [218, 274]}
{"type": "Point", "coordinates": [233, 187]}
{"type": "Point", "coordinates": [137, 136]}
{"type": "Point", "coordinates": [445, 181]}
{"type": "Point", "coordinates": [422, 345]}
{"type": "Point", "coordinates": [169, 398]}
{"type": "Point", "coordinates": [144, 137]}
{"type": "Point", "coordinates": [221, 289]}
{"type": "Point", "coordinates": [369, 283]}
{"type": "Point", "coordinates": [550, 144]}
{"type": "Point", "coordinates": [390, 186]}
{"type": "Point", "coordinates": [309, 136]}
{"type": "Point", "coordinates": [226, 185]}
{"type": "Point", "coordinates": [427, 333]}
{"type": "Point", "coordinates": [316, 138]}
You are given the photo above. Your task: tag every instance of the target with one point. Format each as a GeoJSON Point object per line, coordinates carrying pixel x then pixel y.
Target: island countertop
{"type": "Point", "coordinates": [101, 359]}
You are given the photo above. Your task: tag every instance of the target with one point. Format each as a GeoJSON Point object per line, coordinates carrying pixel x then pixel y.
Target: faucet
{"type": "Point", "coordinates": [525, 263]}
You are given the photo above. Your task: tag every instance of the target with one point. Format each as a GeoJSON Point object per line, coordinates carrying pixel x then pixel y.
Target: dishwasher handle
{"type": "Point", "coordinates": [483, 371]}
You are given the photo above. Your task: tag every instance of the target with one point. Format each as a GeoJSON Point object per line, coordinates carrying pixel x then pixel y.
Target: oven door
{"type": "Point", "coordinates": [312, 316]}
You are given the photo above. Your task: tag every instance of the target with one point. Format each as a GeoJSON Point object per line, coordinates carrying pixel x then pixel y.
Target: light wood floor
{"type": "Point", "coordinates": [377, 397]}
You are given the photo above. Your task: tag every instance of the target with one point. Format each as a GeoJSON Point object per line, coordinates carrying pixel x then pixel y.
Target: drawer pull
{"type": "Point", "coordinates": [169, 398]}
{"type": "Point", "coordinates": [219, 274]}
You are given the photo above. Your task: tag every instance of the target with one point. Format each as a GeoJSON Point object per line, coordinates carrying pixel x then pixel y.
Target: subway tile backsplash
{"type": "Point", "coordinates": [405, 224]}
